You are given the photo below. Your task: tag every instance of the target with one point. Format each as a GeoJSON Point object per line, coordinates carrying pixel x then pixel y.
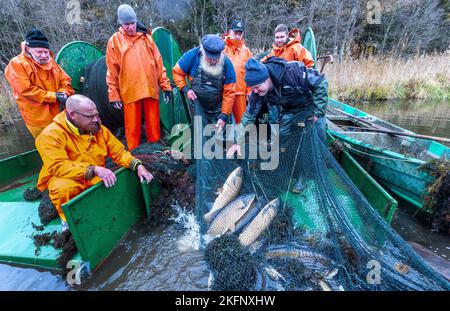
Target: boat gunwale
{"type": "Point", "coordinates": [392, 155]}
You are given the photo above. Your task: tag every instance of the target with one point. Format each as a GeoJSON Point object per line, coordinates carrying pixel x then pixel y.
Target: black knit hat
{"type": "Point", "coordinates": [36, 39]}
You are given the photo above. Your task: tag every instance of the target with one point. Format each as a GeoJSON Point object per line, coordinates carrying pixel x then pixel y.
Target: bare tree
{"type": "Point", "coordinates": [407, 26]}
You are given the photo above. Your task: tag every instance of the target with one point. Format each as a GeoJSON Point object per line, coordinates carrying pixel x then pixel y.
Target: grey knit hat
{"type": "Point", "coordinates": [126, 14]}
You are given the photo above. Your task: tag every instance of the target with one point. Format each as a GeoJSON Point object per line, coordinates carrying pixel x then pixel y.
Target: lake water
{"type": "Point", "coordinates": [149, 259]}
{"type": "Point", "coordinates": [423, 117]}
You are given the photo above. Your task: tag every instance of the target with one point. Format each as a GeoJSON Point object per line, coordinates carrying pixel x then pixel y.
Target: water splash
{"type": "Point", "coordinates": [191, 239]}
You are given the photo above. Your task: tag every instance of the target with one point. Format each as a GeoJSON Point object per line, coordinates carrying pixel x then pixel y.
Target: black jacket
{"type": "Point", "coordinates": [295, 89]}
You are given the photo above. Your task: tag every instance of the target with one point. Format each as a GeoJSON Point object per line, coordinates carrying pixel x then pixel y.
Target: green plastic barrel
{"type": "Point", "coordinates": [176, 111]}
{"type": "Point", "coordinates": [74, 57]}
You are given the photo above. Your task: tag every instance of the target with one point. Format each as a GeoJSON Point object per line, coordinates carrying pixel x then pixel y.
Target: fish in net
{"type": "Point", "coordinates": [326, 236]}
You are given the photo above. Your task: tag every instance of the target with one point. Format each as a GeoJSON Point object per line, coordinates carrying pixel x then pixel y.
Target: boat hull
{"type": "Point", "coordinates": [98, 218]}
{"type": "Point", "coordinates": [393, 161]}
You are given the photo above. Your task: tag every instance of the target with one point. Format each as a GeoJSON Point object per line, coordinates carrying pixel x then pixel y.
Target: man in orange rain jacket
{"type": "Point", "coordinates": [134, 76]}
{"type": "Point", "coordinates": [287, 45]}
{"type": "Point", "coordinates": [213, 80]}
{"type": "Point", "coordinates": [73, 150]}
{"type": "Point", "coordinates": [38, 84]}
{"type": "Point", "coordinates": [238, 53]}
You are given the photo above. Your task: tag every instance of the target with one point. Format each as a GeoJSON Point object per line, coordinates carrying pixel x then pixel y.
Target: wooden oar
{"type": "Point", "coordinates": [369, 123]}
{"type": "Point", "coordinates": [440, 264]}
{"type": "Point", "coordinates": [377, 128]}
{"type": "Point", "coordinates": [326, 59]}
{"type": "Point", "coordinates": [440, 139]}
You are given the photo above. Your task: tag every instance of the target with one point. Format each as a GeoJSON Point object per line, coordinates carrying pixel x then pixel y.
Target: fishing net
{"type": "Point", "coordinates": [326, 236]}
{"type": "Point", "coordinates": [176, 183]}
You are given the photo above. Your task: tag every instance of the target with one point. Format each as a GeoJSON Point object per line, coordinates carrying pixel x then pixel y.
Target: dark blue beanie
{"type": "Point", "coordinates": [255, 72]}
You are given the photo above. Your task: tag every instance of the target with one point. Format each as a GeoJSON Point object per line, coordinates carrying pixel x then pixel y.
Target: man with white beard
{"type": "Point", "coordinates": [212, 78]}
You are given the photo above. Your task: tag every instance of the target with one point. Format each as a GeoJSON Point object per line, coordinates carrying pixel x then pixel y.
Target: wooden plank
{"type": "Point", "coordinates": [435, 261]}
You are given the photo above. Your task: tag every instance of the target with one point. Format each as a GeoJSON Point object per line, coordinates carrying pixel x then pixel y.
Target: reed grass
{"type": "Point", "coordinates": [385, 78]}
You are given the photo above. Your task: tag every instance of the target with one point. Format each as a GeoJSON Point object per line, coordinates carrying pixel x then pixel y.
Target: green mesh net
{"type": "Point", "coordinates": [325, 236]}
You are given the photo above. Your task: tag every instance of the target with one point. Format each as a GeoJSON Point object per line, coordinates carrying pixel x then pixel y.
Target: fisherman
{"type": "Point", "coordinates": [298, 90]}
{"type": "Point", "coordinates": [238, 53]}
{"type": "Point", "coordinates": [287, 45]}
{"type": "Point", "coordinates": [213, 80]}
{"type": "Point", "coordinates": [38, 84]}
{"type": "Point", "coordinates": [73, 149]}
{"type": "Point", "coordinates": [134, 76]}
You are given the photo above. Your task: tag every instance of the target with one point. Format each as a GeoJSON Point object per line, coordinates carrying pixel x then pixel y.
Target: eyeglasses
{"type": "Point", "coordinates": [88, 116]}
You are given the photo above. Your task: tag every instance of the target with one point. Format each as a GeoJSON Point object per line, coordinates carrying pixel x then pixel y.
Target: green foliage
{"type": "Point", "coordinates": [438, 199]}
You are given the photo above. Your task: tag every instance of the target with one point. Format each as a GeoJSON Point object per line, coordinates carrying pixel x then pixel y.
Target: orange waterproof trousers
{"type": "Point", "coordinates": [61, 190]}
{"type": "Point", "coordinates": [240, 104]}
{"type": "Point", "coordinates": [133, 121]}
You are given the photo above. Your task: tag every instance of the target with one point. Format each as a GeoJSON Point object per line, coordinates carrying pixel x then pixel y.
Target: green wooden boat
{"type": "Point", "coordinates": [393, 160]}
{"type": "Point", "coordinates": [96, 231]}
{"type": "Point", "coordinates": [377, 196]}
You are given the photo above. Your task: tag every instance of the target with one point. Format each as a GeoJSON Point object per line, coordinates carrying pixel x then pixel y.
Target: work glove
{"type": "Point", "coordinates": [166, 97]}
{"type": "Point", "coordinates": [61, 98]}
{"type": "Point", "coordinates": [117, 104]}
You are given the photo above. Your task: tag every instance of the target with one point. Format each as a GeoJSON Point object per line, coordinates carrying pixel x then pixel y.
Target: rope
{"type": "Point", "coordinates": [293, 167]}
{"type": "Point", "coordinates": [378, 156]}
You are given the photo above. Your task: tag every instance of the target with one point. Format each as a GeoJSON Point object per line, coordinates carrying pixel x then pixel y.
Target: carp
{"type": "Point", "coordinates": [228, 218]}
{"type": "Point", "coordinates": [227, 193]}
{"type": "Point", "coordinates": [260, 223]}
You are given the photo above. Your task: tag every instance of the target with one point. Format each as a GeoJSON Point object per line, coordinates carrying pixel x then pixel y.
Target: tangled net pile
{"type": "Point", "coordinates": [328, 237]}
{"type": "Point", "coordinates": [176, 183]}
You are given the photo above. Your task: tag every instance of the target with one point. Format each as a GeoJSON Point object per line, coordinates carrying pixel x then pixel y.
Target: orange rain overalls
{"type": "Point", "coordinates": [238, 53]}
{"type": "Point", "coordinates": [135, 74]}
{"type": "Point", "coordinates": [34, 87]}
{"type": "Point", "coordinates": [292, 50]}
{"type": "Point", "coordinates": [67, 155]}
